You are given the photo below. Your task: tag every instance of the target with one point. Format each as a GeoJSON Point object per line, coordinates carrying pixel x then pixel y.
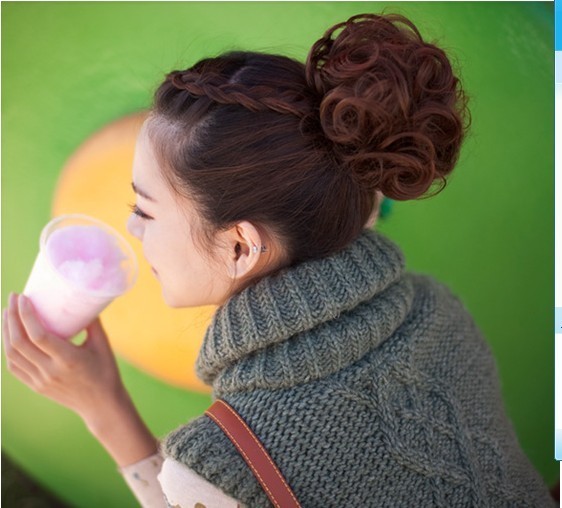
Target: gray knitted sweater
{"type": "Point", "coordinates": [368, 385]}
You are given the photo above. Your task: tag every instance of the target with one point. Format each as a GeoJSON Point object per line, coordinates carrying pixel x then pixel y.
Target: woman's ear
{"type": "Point", "coordinates": [245, 247]}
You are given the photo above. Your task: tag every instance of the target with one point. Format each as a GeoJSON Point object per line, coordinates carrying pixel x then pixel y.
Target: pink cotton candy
{"type": "Point", "coordinates": [89, 257]}
{"type": "Point", "coordinates": [82, 266]}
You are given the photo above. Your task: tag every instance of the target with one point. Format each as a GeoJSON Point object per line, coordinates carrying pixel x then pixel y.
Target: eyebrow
{"type": "Point", "coordinates": [141, 193]}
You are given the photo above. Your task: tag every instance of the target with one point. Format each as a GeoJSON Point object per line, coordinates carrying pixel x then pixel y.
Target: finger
{"type": "Point", "coordinates": [15, 328]}
{"type": "Point", "coordinates": [96, 336]}
{"type": "Point", "coordinates": [19, 338]}
{"type": "Point", "coordinates": [13, 356]}
{"type": "Point", "coordinates": [6, 333]}
{"type": "Point", "coordinates": [22, 364]}
{"type": "Point", "coordinates": [23, 376]}
{"type": "Point", "coordinates": [49, 344]}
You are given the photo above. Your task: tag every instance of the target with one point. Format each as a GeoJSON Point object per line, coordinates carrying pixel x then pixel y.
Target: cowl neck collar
{"type": "Point", "coordinates": [307, 321]}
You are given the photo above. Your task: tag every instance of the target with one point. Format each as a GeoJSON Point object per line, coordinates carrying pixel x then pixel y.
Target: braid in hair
{"type": "Point", "coordinates": [255, 98]}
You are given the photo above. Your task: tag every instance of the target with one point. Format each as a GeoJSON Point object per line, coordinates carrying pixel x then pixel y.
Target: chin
{"type": "Point", "coordinates": [170, 300]}
{"type": "Point", "coordinates": [178, 303]}
{"type": "Point", "coordinates": [174, 303]}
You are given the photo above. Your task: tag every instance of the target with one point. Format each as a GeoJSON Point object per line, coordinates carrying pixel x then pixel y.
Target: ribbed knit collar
{"type": "Point", "coordinates": [307, 321]}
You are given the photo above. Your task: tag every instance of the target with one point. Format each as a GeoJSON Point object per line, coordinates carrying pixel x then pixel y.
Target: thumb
{"type": "Point", "coordinates": [96, 337]}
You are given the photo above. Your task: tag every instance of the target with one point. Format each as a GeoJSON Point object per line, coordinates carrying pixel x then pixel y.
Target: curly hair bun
{"type": "Point", "coordinates": [390, 103]}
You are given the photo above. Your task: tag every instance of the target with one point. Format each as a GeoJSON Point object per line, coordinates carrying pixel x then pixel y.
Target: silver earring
{"type": "Point", "coordinates": [255, 248]}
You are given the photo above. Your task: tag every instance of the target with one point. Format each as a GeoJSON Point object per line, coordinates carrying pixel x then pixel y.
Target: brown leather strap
{"type": "Point", "coordinates": [254, 453]}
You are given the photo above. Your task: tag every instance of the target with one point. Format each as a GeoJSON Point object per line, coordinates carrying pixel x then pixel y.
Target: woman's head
{"type": "Point", "coordinates": [260, 149]}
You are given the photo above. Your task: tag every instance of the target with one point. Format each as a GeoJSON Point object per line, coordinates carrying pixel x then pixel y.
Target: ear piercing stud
{"type": "Point", "coordinates": [255, 248]}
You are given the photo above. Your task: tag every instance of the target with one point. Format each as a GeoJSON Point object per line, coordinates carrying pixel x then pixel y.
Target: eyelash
{"type": "Point", "coordinates": [137, 211]}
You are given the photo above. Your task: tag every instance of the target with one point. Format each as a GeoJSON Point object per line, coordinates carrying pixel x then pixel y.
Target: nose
{"type": "Point", "coordinates": [134, 226]}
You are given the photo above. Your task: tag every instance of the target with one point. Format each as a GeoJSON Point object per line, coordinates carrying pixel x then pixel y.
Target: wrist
{"type": "Point", "coordinates": [120, 429]}
{"type": "Point", "coordinates": [101, 418]}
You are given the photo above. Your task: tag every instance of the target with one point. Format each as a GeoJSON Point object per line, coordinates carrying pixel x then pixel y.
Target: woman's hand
{"type": "Point", "coordinates": [81, 378]}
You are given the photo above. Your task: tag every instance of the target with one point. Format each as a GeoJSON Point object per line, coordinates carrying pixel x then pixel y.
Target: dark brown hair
{"type": "Point", "coordinates": [300, 149]}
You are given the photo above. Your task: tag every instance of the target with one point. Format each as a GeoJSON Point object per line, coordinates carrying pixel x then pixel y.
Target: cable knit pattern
{"type": "Point", "coordinates": [368, 385]}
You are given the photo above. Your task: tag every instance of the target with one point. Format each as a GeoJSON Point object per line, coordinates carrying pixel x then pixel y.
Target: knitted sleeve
{"type": "Point", "coordinates": [157, 482]}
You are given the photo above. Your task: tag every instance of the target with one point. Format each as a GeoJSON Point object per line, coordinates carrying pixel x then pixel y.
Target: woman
{"type": "Point", "coordinates": [258, 179]}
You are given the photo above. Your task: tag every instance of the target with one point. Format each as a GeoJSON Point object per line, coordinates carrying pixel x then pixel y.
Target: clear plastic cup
{"type": "Point", "coordinates": [82, 265]}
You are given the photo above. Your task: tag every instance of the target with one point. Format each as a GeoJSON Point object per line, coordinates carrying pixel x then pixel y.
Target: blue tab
{"type": "Point", "coordinates": [557, 25]}
{"type": "Point", "coordinates": [557, 71]}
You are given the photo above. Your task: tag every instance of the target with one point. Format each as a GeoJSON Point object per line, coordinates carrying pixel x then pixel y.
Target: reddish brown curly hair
{"type": "Point", "coordinates": [392, 105]}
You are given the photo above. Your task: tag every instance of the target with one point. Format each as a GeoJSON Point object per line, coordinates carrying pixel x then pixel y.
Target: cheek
{"type": "Point", "coordinates": [161, 251]}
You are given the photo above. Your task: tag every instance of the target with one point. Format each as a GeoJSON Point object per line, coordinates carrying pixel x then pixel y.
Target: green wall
{"type": "Point", "coordinates": [69, 68]}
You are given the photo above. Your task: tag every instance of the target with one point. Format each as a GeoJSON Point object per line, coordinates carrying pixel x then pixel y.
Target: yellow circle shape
{"type": "Point", "coordinates": [162, 341]}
